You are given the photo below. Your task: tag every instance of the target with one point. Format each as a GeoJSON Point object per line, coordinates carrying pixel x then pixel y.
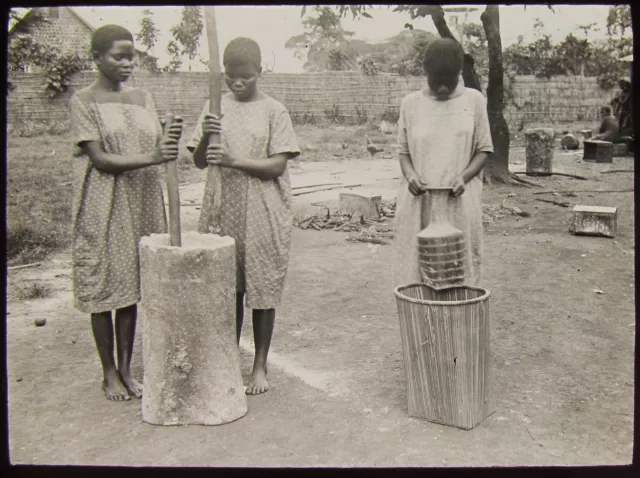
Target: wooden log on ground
{"type": "Point", "coordinates": [588, 191]}
{"type": "Point", "coordinates": [304, 224]}
{"type": "Point", "coordinates": [553, 201]}
{"type": "Point", "coordinates": [594, 221]}
{"type": "Point", "coordinates": [575, 176]}
{"type": "Point", "coordinates": [366, 204]}
{"type": "Point", "coordinates": [300, 193]}
{"type": "Point", "coordinates": [24, 266]}
{"type": "Point", "coordinates": [316, 185]}
{"type": "Point", "coordinates": [539, 151]}
{"type": "Point", "coordinates": [447, 353]}
{"type": "Point", "coordinates": [371, 239]}
{"type": "Point", "coordinates": [191, 360]}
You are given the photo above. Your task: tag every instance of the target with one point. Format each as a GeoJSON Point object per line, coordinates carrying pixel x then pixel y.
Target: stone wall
{"type": "Point", "coordinates": [319, 97]}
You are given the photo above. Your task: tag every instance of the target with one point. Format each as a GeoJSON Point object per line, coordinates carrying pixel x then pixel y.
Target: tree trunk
{"type": "Point", "coordinates": [497, 168]}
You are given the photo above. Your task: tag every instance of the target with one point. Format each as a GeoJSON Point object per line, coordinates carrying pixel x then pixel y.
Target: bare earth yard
{"type": "Point", "coordinates": [562, 353]}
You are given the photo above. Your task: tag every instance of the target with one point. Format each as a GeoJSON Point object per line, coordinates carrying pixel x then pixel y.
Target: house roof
{"type": "Point", "coordinates": [79, 17]}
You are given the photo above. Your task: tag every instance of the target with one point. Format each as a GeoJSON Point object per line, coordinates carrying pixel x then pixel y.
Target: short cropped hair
{"type": "Point", "coordinates": [242, 51]}
{"type": "Point", "coordinates": [104, 37]}
{"type": "Point", "coordinates": [443, 56]}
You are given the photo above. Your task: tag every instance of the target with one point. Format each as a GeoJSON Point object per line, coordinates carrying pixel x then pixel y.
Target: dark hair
{"type": "Point", "coordinates": [242, 51]}
{"type": "Point", "coordinates": [606, 109]}
{"type": "Point", "coordinates": [104, 37]}
{"type": "Point", "coordinates": [624, 81]}
{"type": "Point", "coordinates": [443, 56]}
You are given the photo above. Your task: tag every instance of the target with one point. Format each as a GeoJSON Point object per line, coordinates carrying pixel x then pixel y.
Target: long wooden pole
{"type": "Point", "coordinates": [215, 95]}
{"type": "Point", "coordinates": [173, 191]}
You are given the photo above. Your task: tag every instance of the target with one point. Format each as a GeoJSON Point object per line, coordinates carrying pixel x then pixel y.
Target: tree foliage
{"type": "Point", "coordinates": [576, 56]}
{"type": "Point", "coordinates": [186, 35]}
{"type": "Point", "coordinates": [325, 45]}
{"type": "Point", "coordinates": [24, 53]}
{"type": "Point", "coordinates": [147, 37]}
{"type": "Point", "coordinates": [185, 41]}
{"type": "Point", "coordinates": [22, 24]}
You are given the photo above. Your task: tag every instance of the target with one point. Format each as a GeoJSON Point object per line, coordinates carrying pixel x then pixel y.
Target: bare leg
{"type": "Point", "coordinates": [263, 321]}
{"type": "Point", "coordinates": [239, 314]}
{"type": "Point", "coordinates": [126, 333]}
{"type": "Point", "coordinates": [102, 327]}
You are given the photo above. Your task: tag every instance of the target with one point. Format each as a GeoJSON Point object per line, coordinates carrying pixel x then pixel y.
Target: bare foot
{"type": "Point", "coordinates": [258, 382]}
{"type": "Point", "coordinates": [114, 389]}
{"type": "Point", "coordinates": [133, 386]}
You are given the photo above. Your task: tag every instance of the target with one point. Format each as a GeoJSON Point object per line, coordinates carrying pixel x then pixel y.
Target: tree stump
{"type": "Point", "coordinates": [594, 221]}
{"type": "Point", "coordinates": [368, 205]}
{"type": "Point", "coordinates": [598, 151]}
{"type": "Point", "coordinates": [569, 142]}
{"type": "Point", "coordinates": [539, 151]}
{"type": "Point", "coordinates": [586, 133]}
{"type": "Point", "coordinates": [191, 361]}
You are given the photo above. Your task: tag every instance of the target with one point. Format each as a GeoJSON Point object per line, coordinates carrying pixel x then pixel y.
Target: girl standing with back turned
{"type": "Point", "coordinates": [257, 142]}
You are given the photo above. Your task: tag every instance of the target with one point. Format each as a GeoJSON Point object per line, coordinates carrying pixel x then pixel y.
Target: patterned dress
{"type": "Point", "coordinates": [111, 212]}
{"type": "Point", "coordinates": [256, 213]}
{"type": "Point", "coordinates": [441, 137]}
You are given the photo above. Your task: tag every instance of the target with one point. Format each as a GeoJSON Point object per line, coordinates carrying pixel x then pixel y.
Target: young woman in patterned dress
{"type": "Point", "coordinates": [257, 142]}
{"type": "Point", "coordinates": [118, 145]}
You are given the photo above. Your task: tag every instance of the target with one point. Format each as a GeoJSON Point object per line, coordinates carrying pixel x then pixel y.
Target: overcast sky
{"type": "Point", "coordinates": [272, 26]}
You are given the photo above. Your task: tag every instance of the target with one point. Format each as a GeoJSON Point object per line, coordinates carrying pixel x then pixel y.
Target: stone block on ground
{"type": "Point", "coordinates": [360, 202]}
{"type": "Point", "coordinates": [594, 221]}
{"type": "Point", "coordinates": [190, 354]}
{"type": "Point", "coordinates": [539, 151]}
{"type": "Point", "coordinates": [598, 151]}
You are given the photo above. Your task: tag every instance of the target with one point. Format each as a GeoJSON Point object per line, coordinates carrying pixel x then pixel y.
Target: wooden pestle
{"type": "Point", "coordinates": [215, 97]}
{"type": "Point", "coordinates": [173, 191]}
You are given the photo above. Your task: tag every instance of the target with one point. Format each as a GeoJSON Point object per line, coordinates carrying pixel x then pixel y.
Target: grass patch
{"type": "Point", "coordinates": [33, 290]}
{"type": "Point", "coordinates": [39, 197]}
{"type": "Point", "coordinates": [40, 194]}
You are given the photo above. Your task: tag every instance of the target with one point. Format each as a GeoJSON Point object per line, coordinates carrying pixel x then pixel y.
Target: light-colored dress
{"type": "Point", "coordinates": [111, 212]}
{"type": "Point", "coordinates": [441, 137]}
{"type": "Point", "coordinates": [256, 213]}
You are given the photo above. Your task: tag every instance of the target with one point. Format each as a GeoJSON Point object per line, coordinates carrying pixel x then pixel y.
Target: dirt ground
{"type": "Point", "coordinates": [562, 353]}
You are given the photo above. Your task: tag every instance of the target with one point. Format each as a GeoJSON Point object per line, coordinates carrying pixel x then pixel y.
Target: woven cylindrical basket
{"type": "Point", "coordinates": [447, 356]}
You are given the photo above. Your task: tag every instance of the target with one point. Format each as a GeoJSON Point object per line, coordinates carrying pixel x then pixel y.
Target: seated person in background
{"type": "Point", "coordinates": [609, 128]}
{"type": "Point", "coordinates": [622, 107]}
